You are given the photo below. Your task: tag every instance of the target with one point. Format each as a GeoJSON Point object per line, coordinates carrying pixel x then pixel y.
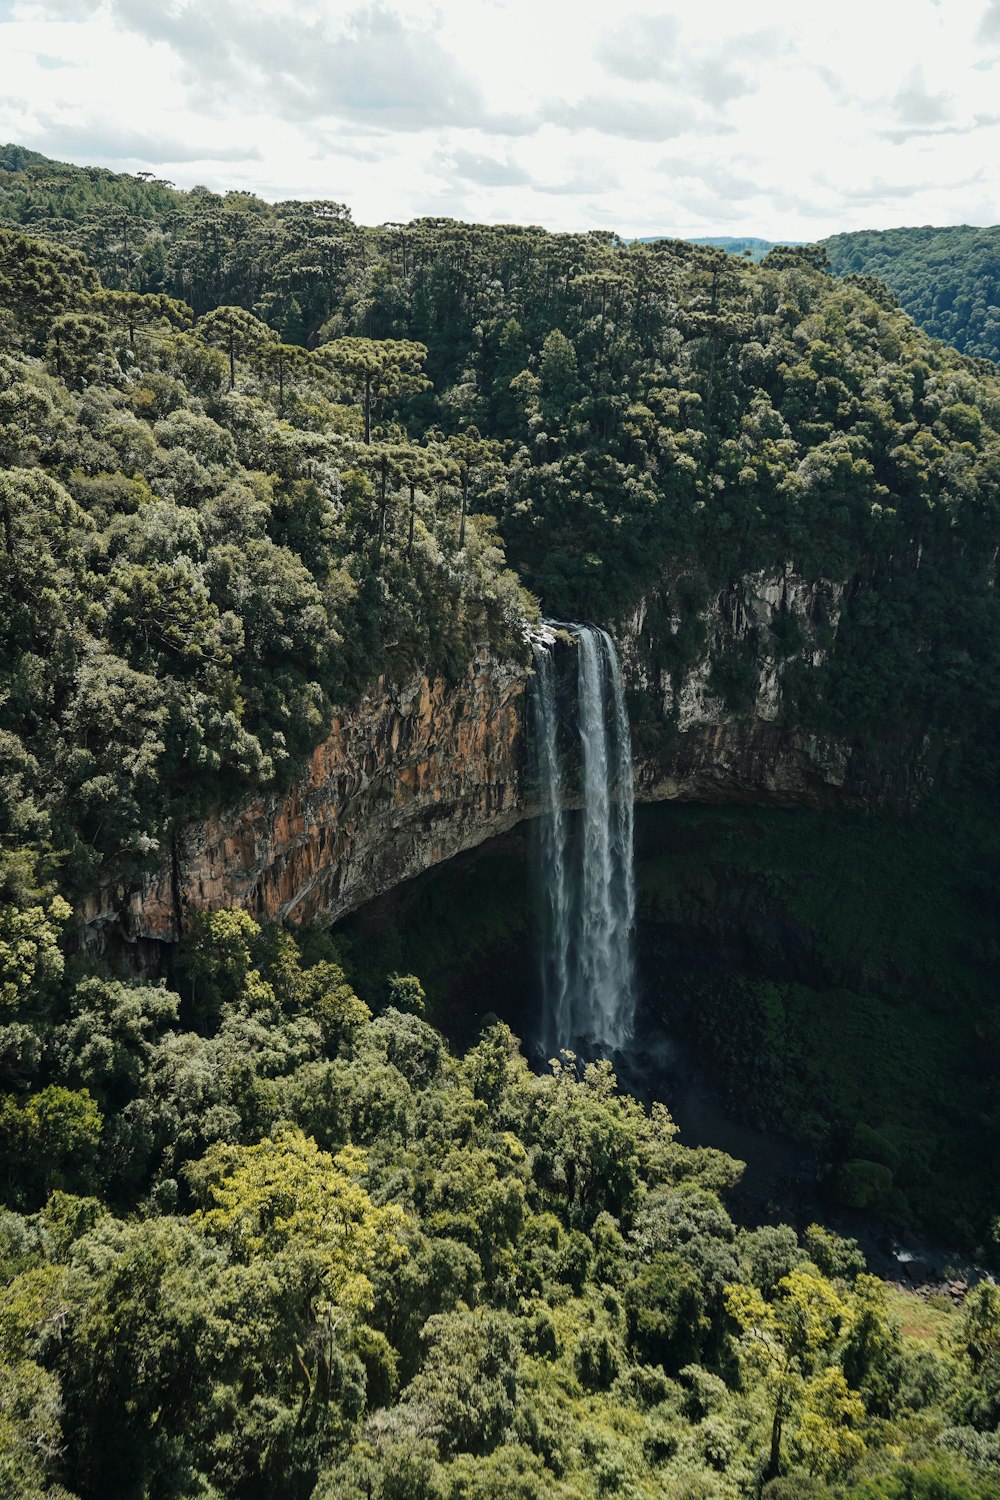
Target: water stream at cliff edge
{"type": "Point", "coordinates": [584, 872]}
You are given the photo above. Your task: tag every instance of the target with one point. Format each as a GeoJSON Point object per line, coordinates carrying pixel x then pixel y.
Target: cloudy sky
{"type": "Point", "coordinates": [781, 118]}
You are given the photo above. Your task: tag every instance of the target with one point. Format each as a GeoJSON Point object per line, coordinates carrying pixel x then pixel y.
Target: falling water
{"type": "Point", "coordinates": [585, 879]}
{"type": "Point", "coordinates": [554, 904]}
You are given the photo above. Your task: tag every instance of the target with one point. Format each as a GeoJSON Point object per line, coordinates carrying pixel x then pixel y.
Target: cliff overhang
{"type": "Point", "coordinates": [419, 772]}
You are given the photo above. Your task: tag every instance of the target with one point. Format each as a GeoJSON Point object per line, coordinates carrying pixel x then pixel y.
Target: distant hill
{"type": "Point", "coordinates": [749, 246]}
{"type": "Point", "coordinates": [948, 279]}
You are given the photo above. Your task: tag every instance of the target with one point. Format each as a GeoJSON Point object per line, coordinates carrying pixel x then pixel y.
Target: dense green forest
{"type": "Point", "coordinates": [262, 1238]}
{"type": "Point", "coordinates": [948, 279]}
{"type": "Point", "coordinates": [261, 1242]}
{"type": "Point", "coordinates": [263, 431]}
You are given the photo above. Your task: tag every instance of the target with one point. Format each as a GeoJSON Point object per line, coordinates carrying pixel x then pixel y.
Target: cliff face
{"type": "Point", "coordinates": [695, 743]}
{"type": "Point", "coordinates": [418, 773]}
{"type": "Point", "coordinates": [412, 776]}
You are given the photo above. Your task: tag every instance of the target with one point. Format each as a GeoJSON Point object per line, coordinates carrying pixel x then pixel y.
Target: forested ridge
{"type": "Point", "coordinates": [947, 279]}
{"type": "Point", "coordinates": [265, 1237]}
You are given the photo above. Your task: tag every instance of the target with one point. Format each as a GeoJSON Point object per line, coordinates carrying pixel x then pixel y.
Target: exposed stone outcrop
{"type": "Point", "coordinates": [411, 776]}
{"type": "Point", "coordinates": [696, 746]}
{"type": "Point", "coordinates": [420, 772]}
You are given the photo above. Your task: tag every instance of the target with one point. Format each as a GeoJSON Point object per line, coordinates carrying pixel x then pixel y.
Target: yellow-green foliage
{"type": "Point", "coordinates": [283, 1200]}
{"type": "Point", "coordinates": [336, 1260]}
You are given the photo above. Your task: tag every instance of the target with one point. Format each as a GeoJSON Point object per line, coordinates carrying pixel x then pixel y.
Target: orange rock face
{"type": "Point", "coordinates": [411, 776]}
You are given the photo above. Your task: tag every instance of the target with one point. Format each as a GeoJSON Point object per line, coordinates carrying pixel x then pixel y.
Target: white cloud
{"type": "Point", "coordinates": [915, 104]}
{"type": "Point", "coordinates": [482, 168]}
{"type": "Point", "coordinates": [644, 49]}
{"type": "Point", "coordinates": [783, 120]}
{"type": "Point", "coordinates": [989, 26]}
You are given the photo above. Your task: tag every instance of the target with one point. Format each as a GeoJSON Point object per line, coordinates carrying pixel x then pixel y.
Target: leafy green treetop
{"type": "Point", "coordinates": [785, 1338]}
{"type": "Point", "coordinates": [237, 333]}
{"type": "Point", "coordinates": [377, 369]}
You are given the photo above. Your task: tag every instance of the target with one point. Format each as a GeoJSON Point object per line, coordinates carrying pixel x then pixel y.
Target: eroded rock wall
{"type": "Point", "coordinates": [411, 776]}
{"type": "Point", "coordinates": [419, 772]}
{"type": "Point", "coordinates": [695, 744]}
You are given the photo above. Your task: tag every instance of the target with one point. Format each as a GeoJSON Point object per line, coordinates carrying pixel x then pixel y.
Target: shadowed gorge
{"type": "Point", "coordinates": [785, 948]}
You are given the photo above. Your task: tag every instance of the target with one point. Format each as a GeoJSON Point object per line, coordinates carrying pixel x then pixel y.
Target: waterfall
{"type": "Point", "coordinates": [551, 865]}
{"type": "Point", "coordinates": [584, 873]}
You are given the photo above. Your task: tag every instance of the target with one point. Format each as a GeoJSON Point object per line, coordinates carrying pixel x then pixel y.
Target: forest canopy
{"type": "Point", "coordinates": [263, 1242]}
{"type": "Point", "coordinates": [947, 279]}
{"type": "Point", "coordinates": [257, 455]}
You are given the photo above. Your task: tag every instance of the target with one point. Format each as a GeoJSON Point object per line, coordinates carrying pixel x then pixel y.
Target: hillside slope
{"type": "Point", "coordinates": [947, 279]}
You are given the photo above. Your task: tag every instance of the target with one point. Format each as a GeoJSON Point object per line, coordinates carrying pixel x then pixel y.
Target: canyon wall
{"type": "Point", "coordinates": [417, 773]}
{"type": "Point", "coordinates": [695, 743]}
{"type": "Point", "coordinates": [411, 776]}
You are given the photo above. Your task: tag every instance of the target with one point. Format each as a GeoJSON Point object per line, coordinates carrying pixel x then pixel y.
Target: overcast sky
{"type": "Point", "coordinates": [781, 118]}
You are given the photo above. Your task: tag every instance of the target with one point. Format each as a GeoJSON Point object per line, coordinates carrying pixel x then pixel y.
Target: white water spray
{"type": "Point", "coordinates": [585, 876]}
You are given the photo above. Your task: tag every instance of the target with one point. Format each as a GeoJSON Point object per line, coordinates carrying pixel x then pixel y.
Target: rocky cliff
{"type": "Point", "coordinates": [712, 723]}
{"type": "Point", "coordinates": [411, 776]}
{"type": "Point", "coordinates": [419, 772]}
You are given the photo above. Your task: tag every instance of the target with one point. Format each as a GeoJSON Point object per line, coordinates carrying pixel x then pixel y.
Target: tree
{"type": "Point", "coordinates": [588, 1139]}
{"type": "Point", "coordinates": [29, 421]}
{"type": "Point", "coordinates": [106, 1040]}
{"type": "Point", "coordinates": [376, 370]}
{"type": "Point", "coordinates": [284, 362]}
{"type": "Point", "coordinates": [162, 616]}
{"type": "Point", "coordinates": [406, 993]}
{"type": "Point", "coordinates": [135, 310]}
{"type": "Point", "coordinates": [835, 1255]}
{"type": "Point", "coordinates": [559, 380]}
{"type": "Point", "coordinates": [507, 354]}
{"type": "Point", "coordinates": [470, 451]}
{"type": "Point", "coordinates": [417, 467]}
{"type": "Point", "coordinates": [390, 463]}
{"type": "Point", "coordinates": [150, 1347]}
{"type": "Point", "coordinates": [50, 1140]}
{"type": "Point", "coordinates": [784, 1338]}
{"type": "Point", "coordinates": [827, 1437]}
{"type": "Point", "coordinates": [31, 960]}
{"type": "Point", "coordinates": [714, 314]}
{"type": "Point", "coordinates": [40, 523]}
{"type": "Point", "coordinates": [665, 1308]}
{"type": "Point", "coordinates": [31, 1444]}
{"type": "Point", "coordinates": [79, 348]}
{"type": "Point", "coordinates": [873, 1354]}
{"type": "Point", "coordinates": [216, 957]}
{"type": "Point", "coordinates": [236, 332]}
{"type": "Point", "coordinates": [469, 1380]}
{"type": "Point", "coordinates": [977, 1343]}
{"type": "Point", "coordinates": [39, 281]}
{"type": "Point", "coordinates": [286, 1200]}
